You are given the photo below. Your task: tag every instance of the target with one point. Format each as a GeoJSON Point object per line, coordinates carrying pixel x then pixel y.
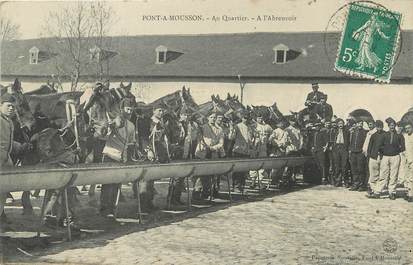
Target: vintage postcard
{"type": "Point", "coordinates": [206, 132]}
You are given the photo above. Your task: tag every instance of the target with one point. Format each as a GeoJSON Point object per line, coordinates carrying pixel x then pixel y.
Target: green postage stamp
{"type": "Point", "coordinates": [369, 42]}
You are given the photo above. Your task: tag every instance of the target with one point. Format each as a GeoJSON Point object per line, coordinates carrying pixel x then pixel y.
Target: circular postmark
{"type": "Point", "coordinates": [343, 26]}
{"type": "Point", "coordinates": [390, 245]}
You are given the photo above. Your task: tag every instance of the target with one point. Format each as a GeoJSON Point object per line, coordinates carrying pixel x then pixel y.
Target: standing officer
{"type": "Point", "coordinates": [357, 158]}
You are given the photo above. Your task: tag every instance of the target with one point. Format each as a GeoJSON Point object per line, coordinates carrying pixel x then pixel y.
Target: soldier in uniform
{"type": "Point", "coordinates": [262, 134]}
{"type": "Point", "coordinates": [119, 147]}
{"type": "Point", "coordinates": [314, 97]}
{"type": "Point", "coordinates": [188, 140]}
{"type": "Point", "coordinates": [318, 148]}
{"type": "Point", "coordinates": [243, 146]}
{"type": "Point", "coordinates": [159, 147]}
{"type": "Point", "coordinates": [211, 146]}
{"type": "Point", "coordinates": [340, 138]}
{"type": "Point", "coordinates": [357, 158]}
{"type": "Point", "coordinates": [323, 109]}
{"type": "Point", "coordinates": [7, 144]}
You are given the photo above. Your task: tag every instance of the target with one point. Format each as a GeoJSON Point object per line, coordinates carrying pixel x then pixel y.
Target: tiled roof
{"type": "Point", "coordinates": [211, 55]}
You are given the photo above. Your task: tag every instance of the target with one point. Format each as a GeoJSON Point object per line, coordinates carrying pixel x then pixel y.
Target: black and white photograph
{"type": "Point", "coordinates": [206, 132]}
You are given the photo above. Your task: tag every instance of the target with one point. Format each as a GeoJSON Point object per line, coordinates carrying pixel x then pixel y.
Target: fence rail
{"type": "Point", "coordinates": [47, 177]}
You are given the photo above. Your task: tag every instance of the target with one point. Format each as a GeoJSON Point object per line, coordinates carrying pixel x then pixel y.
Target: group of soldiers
{"type": "Point", "coordinates": [345, 153]}
{"type": "Point", "coordinates": [372, 160]}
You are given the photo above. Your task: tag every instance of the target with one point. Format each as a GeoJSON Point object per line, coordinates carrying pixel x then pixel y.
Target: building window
{"type": "Point", "coordinates": [161, 52]}
{"type": "Point", "coordinates": [280, 54]}
{"type": "Point", "coordinates": [34, 55]}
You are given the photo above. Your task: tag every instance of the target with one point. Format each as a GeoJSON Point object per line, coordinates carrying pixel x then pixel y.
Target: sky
{"type": "Point", "coordinates": [305, 15]}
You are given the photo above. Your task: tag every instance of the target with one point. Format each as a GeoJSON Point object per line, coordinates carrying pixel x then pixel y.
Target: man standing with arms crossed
{"type": "Point", "coordinates": [391, 145]}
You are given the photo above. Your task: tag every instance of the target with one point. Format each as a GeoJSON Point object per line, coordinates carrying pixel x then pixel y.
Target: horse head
{"type": "Point", "coordinates": [24, 114]}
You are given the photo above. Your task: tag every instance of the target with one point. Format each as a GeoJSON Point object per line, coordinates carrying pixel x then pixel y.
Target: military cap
{"type": "Point", "coordinates": [379, 124]}
{"type": "Point", "coordinates": [390, 120]}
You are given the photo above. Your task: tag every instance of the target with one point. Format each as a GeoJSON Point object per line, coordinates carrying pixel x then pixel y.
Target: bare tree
{"type": "Point", "coordinates": [72, 28]}
{"type": "Point", "coordinates": [102, 17]}
{"type": "Point", "coordinates": [79, 30]}
{"type": "Point", "coordinates": [8, 30]}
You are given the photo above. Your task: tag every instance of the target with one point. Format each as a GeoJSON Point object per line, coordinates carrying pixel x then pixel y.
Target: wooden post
{"type": "Point", "coordinates": [188, 202]}
{"type": "Point", "coordinates": [69, 231]}
{"type": "Point", "coordinates": [115, 214]}
{"type": "Point", "coordinates": [138, 195]}
{"type": "Point", "coordinates": [42, 212]}
{"type": "Point", "coordinates": [139, 202]}
{"type": "Point", "coordinates": [229, 175]}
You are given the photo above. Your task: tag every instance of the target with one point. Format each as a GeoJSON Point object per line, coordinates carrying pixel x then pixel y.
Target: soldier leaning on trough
{"type": "Point", "coordinates": [243, 147]}
{"type": "Point", "coordinates": [119, 147]}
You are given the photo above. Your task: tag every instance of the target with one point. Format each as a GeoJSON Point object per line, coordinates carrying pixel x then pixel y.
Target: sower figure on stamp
{"type": "Point", "coordinates": [119, 147]}
{"type": "Point", "coordinates": [391, 146]}
{"type": "Point", "coordinates": [357, 158]}
{"type": "Point", "coordinates": [7, 145]}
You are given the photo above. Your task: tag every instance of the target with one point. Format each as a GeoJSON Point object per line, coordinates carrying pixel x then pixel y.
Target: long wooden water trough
{"type": "Point", "coordinates": [52, 177]}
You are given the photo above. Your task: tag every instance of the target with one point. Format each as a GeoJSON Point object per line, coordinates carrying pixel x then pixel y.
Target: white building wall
{"type": "Point", "coordinates": [381, 100]}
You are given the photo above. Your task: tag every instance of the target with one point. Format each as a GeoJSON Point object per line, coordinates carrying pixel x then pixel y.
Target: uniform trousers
{"type": "Point", "coordinates": [389, 169]}
{"type": "Point", "coordinates": [340, 155]}
{"type": "Point", "coordinates": [357, 164]}
{"type": "Point", "coordinates": [320, 158]}
{"type": "Point", "coordinates": [374, 177]}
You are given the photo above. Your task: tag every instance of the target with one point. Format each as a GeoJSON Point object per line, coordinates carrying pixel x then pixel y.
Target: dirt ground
{"type": "Point", "coordinates": [308, 225]}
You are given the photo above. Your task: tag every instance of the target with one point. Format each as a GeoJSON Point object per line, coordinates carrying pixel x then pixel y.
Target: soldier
{"type": "Point", "coordinates": [188, 140]}
{"type": "Point", "coordinates": [243, 146]}
{"type": "Point", "coordinates": [159, 146]}
{"type": "Point", "coordinates": [374, 159]}
{"type": "Point", "coordinates": [279, 140]}
{"type": "Point", "coordinates": [262, 134]}
{"type": "Point", "coordinates": [319, 146]}
{"type": "Point", "coordinates": [119, 147]}
{"type": "Point", "coordinates": [7, 144]}
{"type": "Point", "coordinates": [211, 146]}
{"type": "Point", "coordinates": [339, 148]}
{"type": "Point", "coordinates": [391, 145]}
{"type": "Point", "coordinates": [357, 158]}
{"type": "Point", "coordinates": [314, 97]}
{"type": "Point", "coordinates": [323, 109]}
